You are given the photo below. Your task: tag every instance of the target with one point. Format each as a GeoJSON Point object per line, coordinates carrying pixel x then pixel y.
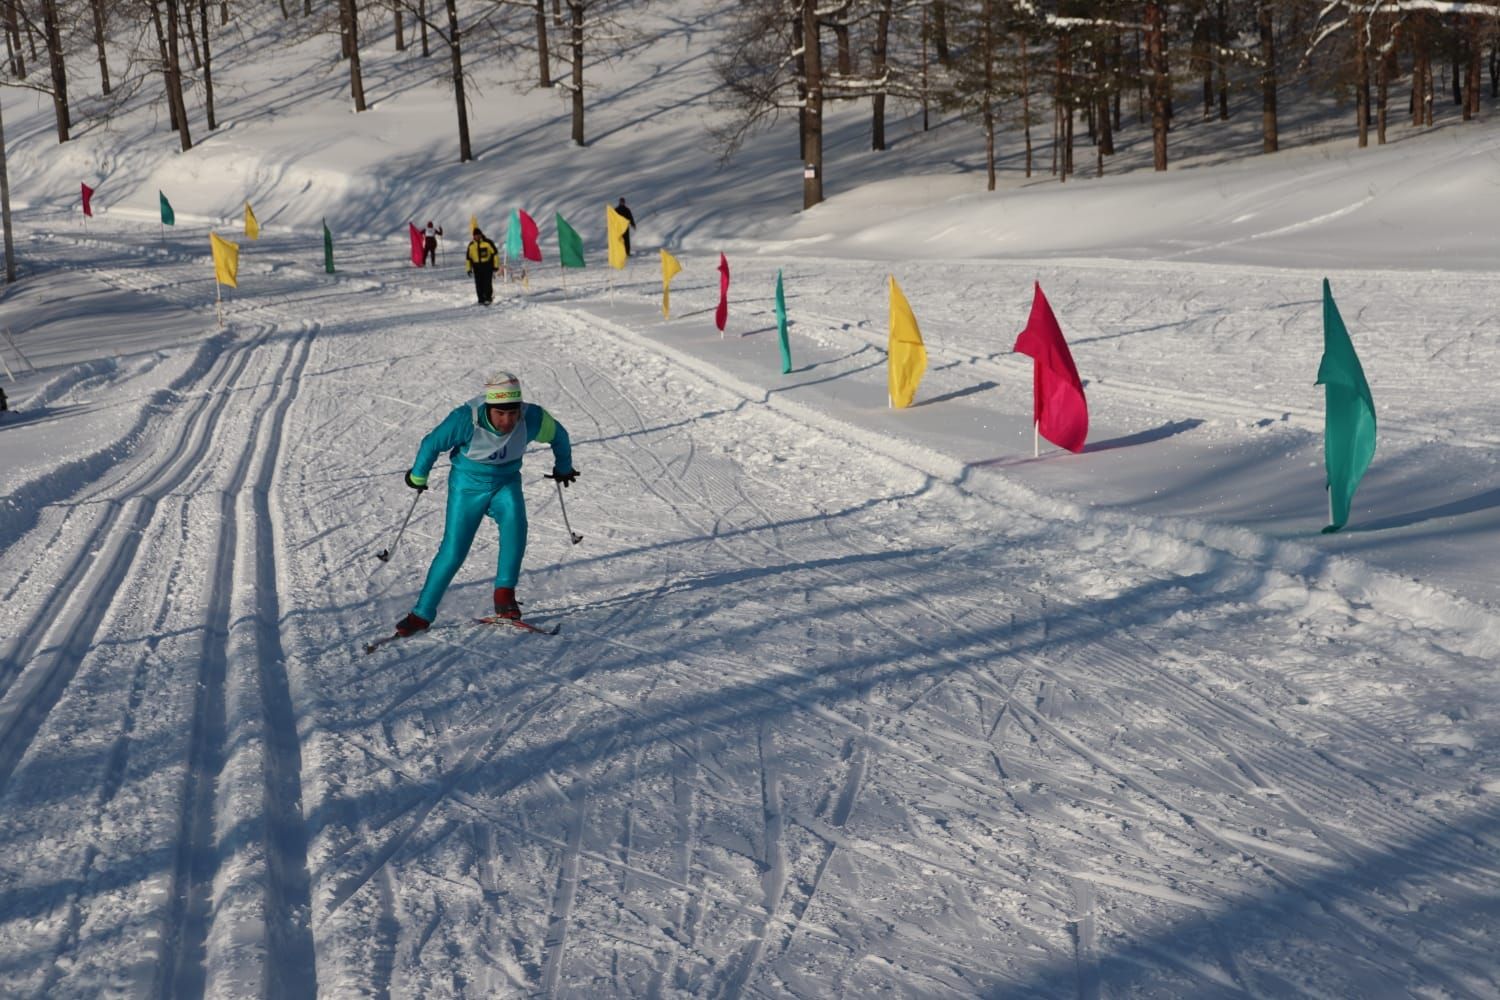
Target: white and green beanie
{"type": "Point", "coordinates": [502, 388]}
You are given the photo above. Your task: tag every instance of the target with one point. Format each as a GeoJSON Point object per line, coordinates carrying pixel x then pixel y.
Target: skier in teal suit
{"type": "Point", "coordinates": [485, 439]}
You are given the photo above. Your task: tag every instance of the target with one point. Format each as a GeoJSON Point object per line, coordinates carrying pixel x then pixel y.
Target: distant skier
{"type": "Point", "coordinates": [624, 212]}
{"type": "Point", "coordinates": [485, 439]}
{"type": "Point", "coordinates": [482, 258]}
{"type": "Point", "coordinates": [4, 405]}
{"type": "Point", "coordinates": [429, 243]}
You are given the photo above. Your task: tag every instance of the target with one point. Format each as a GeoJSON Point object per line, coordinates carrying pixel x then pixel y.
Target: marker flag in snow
{"type": "Point", "coordinates": [226, 261]}
{"type": "Point", "coordinates": [88, 195]}
{"type": "Point", "coordinates": [786, 347]}
{"type": "Point", "coordinates": [513, 236]}
{"type": "Point", "coordinates": [618, 227]}
{"type": "Point", "coordinates": [1349, 422]}
{"type": "Point", "coordinates": [669, 267]}
{"type": "Point", "coordinates": [1058, 407]}
{"type": "Point", "coordinates": [416, 243]}
{"type": "Point", "coordinates": [721, 314]}
{"type": "Point", "coordinates": [168, 217]}
{"type": "Point", "coordinates": [327, 248]}
{"type": "Point", "coordinates": [907, 355]}
{"type": "Point", "coordinates": [569, 244]}
{"type": "Point", "coordinates": [252, 226]}
{"type": "Point", "coordinates": [530, 248]}
{"type": "Point", "coordinates": [473, 224]}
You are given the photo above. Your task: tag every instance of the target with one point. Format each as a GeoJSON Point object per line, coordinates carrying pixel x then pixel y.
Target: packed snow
{"type": "Point", "coordinates": [847, 701]}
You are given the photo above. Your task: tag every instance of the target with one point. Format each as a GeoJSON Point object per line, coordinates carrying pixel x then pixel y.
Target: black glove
{"type": "Point", "coordinates": [566, 478]}
{"type": "Point", "coordinates": [419, 487]}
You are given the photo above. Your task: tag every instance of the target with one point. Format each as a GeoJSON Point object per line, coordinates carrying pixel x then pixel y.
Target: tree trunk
{"type": "Point", "coordinates": [1361, 78]}
{"type": "Point", "coordinates": [812, 124]}
{"type": "Point", "coordinates": [465, 153]}
{"type": "Point", "coordinates": [840, 26]}
{"type": "Point", "coordinates": [349, 10]}
{"type": "Point", "coordinates": [161, 46]}
{"type": "Point", "coordinates": [1383, 93]}
{"type": "Point", "coordinates": [98, 12]}
{"type": "Point", "coordinates": [208, 72]}
{"type": "Point", "coordinates": [878, 51]}
{"type": "Point", "coordinates": [174, 77]}
{"type": "Point", "coordinates": [1063, 100]}
{"type": "Point", "coordinates": [400, 26]}
{"type": "Point", "coordinates": [557, 17]}
{"type": "Point", "coordinates": [988, 44]}
{"type": "Point", "coordinates": [1026, 101]}
{"type": "Point", "coordinates": [940, 31]}
{"type": "Point", "coordinates": [1472, 84]}
{"type": "Point", "coordinates": [13, 33]}
{"type": "Point", "coordinates": [1270, 142]}
{"type": "Point", "coordinates": [1221, 33]}
{"type": "Point", "coordinates": [575, 46]}
{"type": "Point", "coordinates": [186, 14]}
{"type": "Point", "coordinates": [10, 243]}
{"type": "Point", "coordinates": [422, 20]}
{"type": "Point", "coordinates": [1156, 53]}
{"type": "Point", "coordinates": [59, 70]}
{"type": "Point", "coordinates": [801, 74]}
{"type": "Point", "coordinates": [544, 68]}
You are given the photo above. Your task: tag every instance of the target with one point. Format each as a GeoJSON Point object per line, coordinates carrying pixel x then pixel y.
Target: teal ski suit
{"type": "Point", "coordinates": [485, 478]}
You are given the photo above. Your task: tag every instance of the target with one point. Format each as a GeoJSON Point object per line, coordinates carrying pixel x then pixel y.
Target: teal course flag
{"type": "Point", "coordinates": [569, 244]}
{"type": "Point", "coordinates": [513, 244]}
{"type": "Point", "coordinates": [327, 248]}
{"type": "Point", "coordinates": [786, 348]}
{"type": "Point", "coordinates": [167, 217]}
{"type": "Point", "coordinates": [1349, 424]}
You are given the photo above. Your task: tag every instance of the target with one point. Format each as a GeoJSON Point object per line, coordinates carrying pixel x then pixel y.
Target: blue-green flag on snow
{"type": "Point", "coordinates": [786, 348]}
{"type": "Point", "coordinates": [513, 248]}
{"type": "Point", "coordinates": [1349, 422]}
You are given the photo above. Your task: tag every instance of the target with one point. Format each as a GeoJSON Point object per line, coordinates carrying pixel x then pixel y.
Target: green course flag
{"type": "Point", "coordinates": [167, 217]}
{"type": "Point", "coordinates": [513, 236]}
{"type": "Point", "coordinates": [1349, 421]}
{"type": "Point", "coordinates": [786, 348]}
{"type": "Point", "coordinates": [569, 244]}
{"type": "Point", "coordinates": [327, 248]}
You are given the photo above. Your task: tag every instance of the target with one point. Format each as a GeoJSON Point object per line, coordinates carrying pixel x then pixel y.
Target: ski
{"type": "Point", "coordinates": [525, 626]}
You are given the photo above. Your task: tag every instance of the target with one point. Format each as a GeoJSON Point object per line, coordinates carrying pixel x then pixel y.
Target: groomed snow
{"type": "Point", "coordinates": [847, 701]}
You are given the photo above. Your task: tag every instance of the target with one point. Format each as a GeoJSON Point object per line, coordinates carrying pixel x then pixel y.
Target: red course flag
{"type": "Point", "coordinates": [1058, 407]}
{"type": "Point", "coordinates": [416, 244]}
{"type": "Point", "coordinates": [530, 249]}
{"type": "Point", "coordinates": [88, 194]}
{"type": "Point", "coordinates": [721, 314]}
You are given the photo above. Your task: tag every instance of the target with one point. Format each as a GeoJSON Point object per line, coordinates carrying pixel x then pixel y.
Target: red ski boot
{"type": "Point", "coordinates": [411, 625]}
{"type": "Point", "coordinates": [505, 603]}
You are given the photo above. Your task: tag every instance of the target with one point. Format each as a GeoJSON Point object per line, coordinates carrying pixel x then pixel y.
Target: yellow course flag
{"type": "Point", "coordinates": [618, 227]}
{"type": "Point", "coordinates": [226, 261]}
{"type": "Point", "coordinates": [669, 267]}
{"type": "Point", "coordinates": [252, 228]}
{"type": "Point", "coordinates": [907, 355]}
{"type": "Point", "coordinates": [473, 224]}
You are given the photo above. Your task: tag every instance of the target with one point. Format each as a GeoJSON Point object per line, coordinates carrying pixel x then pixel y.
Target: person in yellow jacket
{"type": "Point", "coordinates": [482, 258]}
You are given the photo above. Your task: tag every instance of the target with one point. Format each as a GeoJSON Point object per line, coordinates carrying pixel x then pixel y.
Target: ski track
{"type": "Point", "coordinates": [768, 705]}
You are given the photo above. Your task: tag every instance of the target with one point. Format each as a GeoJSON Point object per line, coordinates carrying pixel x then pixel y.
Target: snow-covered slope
{"type": "Point", "coordinates": [847, 701]}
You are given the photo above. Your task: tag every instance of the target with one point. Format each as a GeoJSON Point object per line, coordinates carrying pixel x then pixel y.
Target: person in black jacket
{"type": "Point", "coordinates": [481, 264]}
{"type": "Point", "coordinates": [429, 243]}
{"type": "Point", "coordinates": [624, 213]}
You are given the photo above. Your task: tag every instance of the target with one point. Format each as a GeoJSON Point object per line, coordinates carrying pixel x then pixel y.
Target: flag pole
{"type": "Point", "coordinates": [1036, 440]}
{"type": "Point", "coordinates": [219, 300]}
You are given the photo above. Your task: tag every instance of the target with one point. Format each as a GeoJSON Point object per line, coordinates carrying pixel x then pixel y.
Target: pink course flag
{"type": "Point", "coordinates": [88, 195]}
{"type": "Point", "coordinates": [721, 314]}
{"type": "Point", "coordinates": [1058, 406]}
{"type": "Point", "coordinates": [416, 244]}
{"type": "Point", "coordinates": [530, 249]}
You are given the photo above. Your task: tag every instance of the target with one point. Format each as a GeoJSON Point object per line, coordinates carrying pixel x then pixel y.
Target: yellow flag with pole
{"type": "Point", "coordinates": [618, 226]}
{"type": "Point", "coordinates": [907, 356]}
{"type": "Point", "coordinates": [669, 267]}
{"type": "Point", "coordinates": [226, 261]}
{"type": "Point", "coordinates": [473, 223]}
{"type": "Point", "coordinates": [252, 227]}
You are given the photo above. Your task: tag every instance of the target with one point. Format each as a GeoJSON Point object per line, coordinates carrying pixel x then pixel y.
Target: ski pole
{"type": "Point", "coordinates": [564, 508]}
{"type": "Point", "coordinates": [384, 555]}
